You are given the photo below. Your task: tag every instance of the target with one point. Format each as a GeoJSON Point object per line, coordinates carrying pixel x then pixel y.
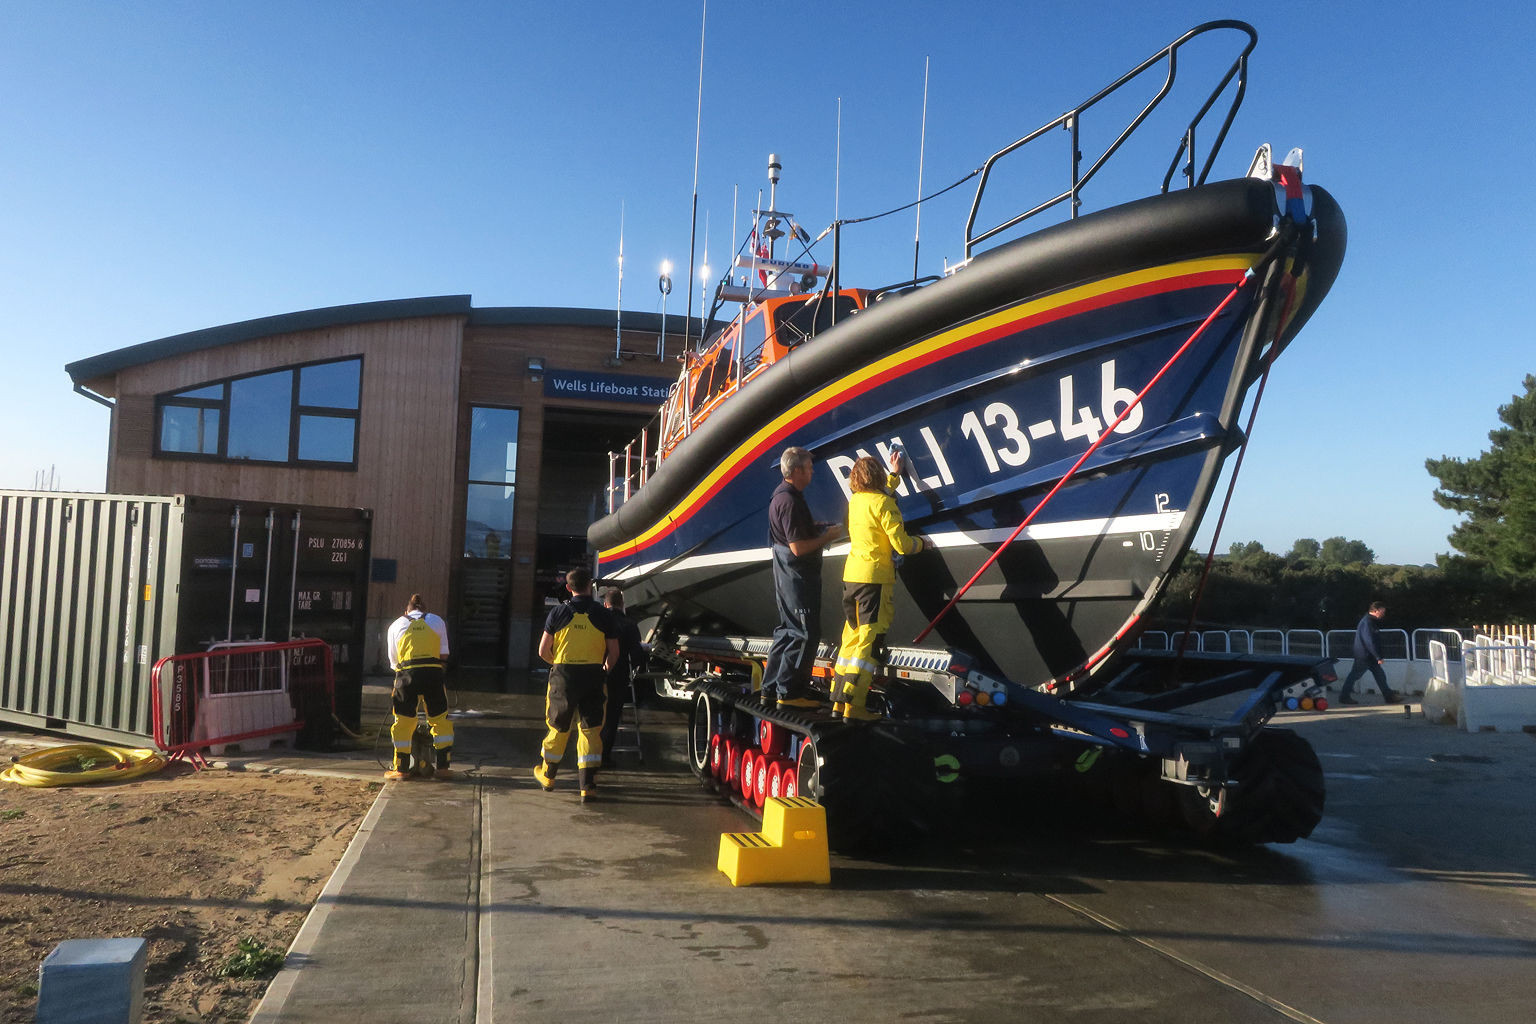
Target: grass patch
{"type": "Point", "coordinates": [26, 990]}
{"type": "Point", "coordinates": [12, 815]}
{"type": "Point", "coordinates": [253, 960]}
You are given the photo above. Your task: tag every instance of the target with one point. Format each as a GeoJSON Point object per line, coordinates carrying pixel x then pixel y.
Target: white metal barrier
{"type": "Point", "coordinates": [1406, 657]}
{"type": "Point", "coordinates": [1268, 641]}
{"type": "Point", "coordinates": [1306, 643]}
{"type": "Point", "coordinates": [1498, 689]}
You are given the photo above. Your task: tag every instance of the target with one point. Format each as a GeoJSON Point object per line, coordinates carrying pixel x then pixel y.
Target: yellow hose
{"type": "Point", "coordinates": [42, 768]}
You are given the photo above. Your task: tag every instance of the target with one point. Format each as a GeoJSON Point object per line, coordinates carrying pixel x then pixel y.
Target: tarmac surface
{"type": "Point", "coordinates": [486, 900]}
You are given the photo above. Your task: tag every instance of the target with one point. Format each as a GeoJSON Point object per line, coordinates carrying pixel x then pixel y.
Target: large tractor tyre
{"type": "Point", "coordinates": [877, 785]}
{"type": "Point", "coordinates": [701, 725]}
{"type": "Point", "coordinates": [1278, 797]}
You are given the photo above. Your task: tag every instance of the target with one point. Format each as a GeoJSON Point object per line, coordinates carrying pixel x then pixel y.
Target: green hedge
{"type": "Point", "coordinates": [1267, 590]}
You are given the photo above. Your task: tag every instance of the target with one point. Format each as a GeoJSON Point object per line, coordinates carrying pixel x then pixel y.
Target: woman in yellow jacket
{"type": "Point", "coordinates": [875, 533]}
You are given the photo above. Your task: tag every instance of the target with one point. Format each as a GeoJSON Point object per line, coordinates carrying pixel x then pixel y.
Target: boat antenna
{"type": "Point", "coordinates": [922, 145]}
{"type": "Point", "coordinates": [837, 164]}
{"type": "Point", "coordinates": [730, 270]}
{"type": "Point", "coordinates": [704, 278]}
{"type": "Point", "coordinates": [618, 306]}
{"type": "Point", "coordinates": [693, 226]}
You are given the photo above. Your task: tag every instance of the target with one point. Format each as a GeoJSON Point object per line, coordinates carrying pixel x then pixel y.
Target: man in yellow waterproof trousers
{"type": "Point", "coordinates": [581, 644]}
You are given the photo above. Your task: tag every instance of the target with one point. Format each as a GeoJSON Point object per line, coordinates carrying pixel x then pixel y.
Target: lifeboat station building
{"type": "Point", "coordinates": [478, 437]}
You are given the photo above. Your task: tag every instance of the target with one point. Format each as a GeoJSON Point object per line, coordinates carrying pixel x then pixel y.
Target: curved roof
{"type": "Point", "coordinates": [93, 367]}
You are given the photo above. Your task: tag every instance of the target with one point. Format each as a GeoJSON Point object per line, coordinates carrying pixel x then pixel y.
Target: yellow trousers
{"type": "Point", "coordinates": [415, 687]}
{"type": "Point", "coordinates": [577, 696]}
{"type": "Point", "coordinates": [867, 612]}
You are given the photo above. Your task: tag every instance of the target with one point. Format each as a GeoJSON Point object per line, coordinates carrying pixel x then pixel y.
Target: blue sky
{"type": "Point", "coordinates": [172, 166]}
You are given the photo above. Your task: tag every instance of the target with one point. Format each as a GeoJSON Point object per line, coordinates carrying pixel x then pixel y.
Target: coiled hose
{"type": "Point", "coordinates": [76, 764]}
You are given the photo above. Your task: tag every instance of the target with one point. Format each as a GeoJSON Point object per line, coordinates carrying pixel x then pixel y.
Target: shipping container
{"type": "Point", "coordinates": [96, 588]}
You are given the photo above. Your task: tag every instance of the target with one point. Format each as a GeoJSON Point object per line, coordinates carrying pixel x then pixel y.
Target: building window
{"type": "Point", "coordinates": [492, 484]}
{"type": "Point", "coordinates": [302, 415]}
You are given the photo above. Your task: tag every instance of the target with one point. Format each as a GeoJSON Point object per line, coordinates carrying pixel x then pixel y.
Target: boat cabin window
{"type": "Point", "coordinates": [753, 335]}
{"type": "Point", "coordinates": [715, 374]}
{"type": "Point", "coordinates": [794, 318]}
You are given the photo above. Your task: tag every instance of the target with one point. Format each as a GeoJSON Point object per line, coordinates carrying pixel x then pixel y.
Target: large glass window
{"type": "Point", "coordinates": [304, 415]}
{"type": "Point", "coordinates": [260, 413]}
{"type": "Point", "coordinates": [492, 482]}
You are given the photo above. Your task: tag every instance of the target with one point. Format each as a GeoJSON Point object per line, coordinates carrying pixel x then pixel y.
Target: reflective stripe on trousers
{"type": "Point", "coordinates": [576, 693]}
{"type": "Point", "coordinates": [867, 612]}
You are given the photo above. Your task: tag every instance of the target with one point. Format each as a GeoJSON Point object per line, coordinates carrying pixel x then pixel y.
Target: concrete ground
{"type": "Point", "coordinates": [488, 900]}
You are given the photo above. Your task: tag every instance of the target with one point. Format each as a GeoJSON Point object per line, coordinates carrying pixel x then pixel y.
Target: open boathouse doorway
{"type": "Point", "coordinates": [572, 481]}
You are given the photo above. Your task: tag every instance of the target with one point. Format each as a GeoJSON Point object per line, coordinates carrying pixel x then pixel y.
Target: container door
{"type": "Point", "coordinates": [323, 590]}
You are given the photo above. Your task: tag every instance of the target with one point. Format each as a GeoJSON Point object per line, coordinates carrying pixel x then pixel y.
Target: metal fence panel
{"type": "Point", "coordinates": [1305, 643]}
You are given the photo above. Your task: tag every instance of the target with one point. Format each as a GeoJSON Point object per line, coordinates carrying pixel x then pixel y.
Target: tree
{"type": "Point", "coordinates": [1241, 552]}
{"type": "Point", "coordinates": [1496, 491]}
{"type": "Point", "coordinates": [1306, 547]}
{"type": "Point", "coordinates": [1339, 551]}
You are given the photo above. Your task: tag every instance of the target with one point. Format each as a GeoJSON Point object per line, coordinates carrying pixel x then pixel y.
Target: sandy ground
{"type": "Point", "coordinates": [192, 861]}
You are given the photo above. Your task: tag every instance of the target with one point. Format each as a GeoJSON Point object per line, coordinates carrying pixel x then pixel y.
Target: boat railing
{"type": "Point", "coordinates": [1071, 121]}
{"type": "Point", "coordinates": [1397, 645]}
{"type": "Point", "coordinates": [628, 470]}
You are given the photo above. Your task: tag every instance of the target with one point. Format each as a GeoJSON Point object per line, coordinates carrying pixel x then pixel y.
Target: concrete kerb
{"type": "Point", "coordinates": [269, 1010]}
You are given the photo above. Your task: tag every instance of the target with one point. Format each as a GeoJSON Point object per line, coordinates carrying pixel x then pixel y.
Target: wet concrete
{"type": "Point", "coordinates": [487, 899]}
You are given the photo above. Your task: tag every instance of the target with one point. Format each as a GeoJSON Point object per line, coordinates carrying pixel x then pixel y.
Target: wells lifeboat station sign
{"type": "Point", "coordinates": [605, 387]}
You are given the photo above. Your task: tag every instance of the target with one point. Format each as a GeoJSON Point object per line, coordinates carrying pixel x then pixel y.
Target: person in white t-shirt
{"type": "Point", "coordinates": [418, 643]}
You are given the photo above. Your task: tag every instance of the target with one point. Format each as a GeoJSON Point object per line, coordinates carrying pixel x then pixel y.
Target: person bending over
{"type": "Point", "coordinates": [418, 643]}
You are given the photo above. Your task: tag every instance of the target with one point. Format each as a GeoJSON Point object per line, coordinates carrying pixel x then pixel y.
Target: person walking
{"type": "Point", "coordinates": [876, 533]}
{"type": "Point", "coordinates": [797, 545]}
{"type": "Point", "coordinates": [417, 644]}
{"type": "Point", "coordinates": [620, 678]}
{"type": "Point", "coordinates": [1368, 657]}
{"type": "Point", "coordinates": [581, 644]}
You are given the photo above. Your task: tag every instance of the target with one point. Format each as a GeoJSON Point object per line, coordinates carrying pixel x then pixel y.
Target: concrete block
{"type": "Point", "coordinates": [1442, 701]}
{"type": "Point", "coordinates": [1499, 708]}
{"type": "Point", "coordinates": [92, 981]}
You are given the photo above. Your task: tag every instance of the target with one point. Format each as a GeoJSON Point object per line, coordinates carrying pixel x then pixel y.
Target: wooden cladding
{"type": "Point", "coordinates": [408, 413]}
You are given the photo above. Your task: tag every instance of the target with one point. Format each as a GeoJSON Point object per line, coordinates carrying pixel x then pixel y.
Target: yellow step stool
{"type": "Point", "coordinates": [792, 847]}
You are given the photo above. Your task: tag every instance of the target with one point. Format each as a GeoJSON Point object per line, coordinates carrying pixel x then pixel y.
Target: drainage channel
{"type": "Point", "coordinates": [1230, 982]}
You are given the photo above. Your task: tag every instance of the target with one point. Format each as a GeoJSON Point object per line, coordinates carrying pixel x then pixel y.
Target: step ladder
{"type": "Point", "coordinates": [632, 706]}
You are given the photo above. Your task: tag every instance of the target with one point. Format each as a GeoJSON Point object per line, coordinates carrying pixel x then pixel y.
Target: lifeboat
{"type": "Point", "coordinates": [1133, 335]}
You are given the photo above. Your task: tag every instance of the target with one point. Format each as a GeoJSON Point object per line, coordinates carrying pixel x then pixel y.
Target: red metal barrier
{"type": "Point", "coordinates": [239, 692]}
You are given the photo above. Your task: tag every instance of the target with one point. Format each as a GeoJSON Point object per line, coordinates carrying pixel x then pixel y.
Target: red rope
{"type": "Point", "coordinates": [1237, 467]}
{"type": "Point", "coordinates": [1247, 276]}
{"type": "Point", "coordinates": [1210, 555]}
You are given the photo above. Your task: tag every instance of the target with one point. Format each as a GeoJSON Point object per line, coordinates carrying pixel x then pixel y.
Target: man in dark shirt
{"type": "Point", "coordinates": [631, 660]}
{"type": "Point", "coordinates": [581, 643]}
{"type": "Point", "coordinates": [797, 543]}
{"type": "Point", "coordinates": [1368, 657]}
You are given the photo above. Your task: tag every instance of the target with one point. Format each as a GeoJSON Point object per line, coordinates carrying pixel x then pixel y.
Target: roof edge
{"type": "Point", "coordinates": [265, 327]}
